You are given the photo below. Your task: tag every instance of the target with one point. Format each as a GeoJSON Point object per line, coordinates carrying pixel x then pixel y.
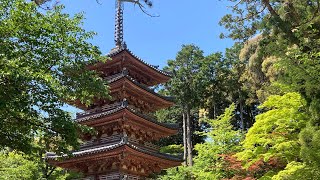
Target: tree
{"type": "Point", "coordinates": [222, 139]}
{"type": "Point", "coordinates": [225, 85]}
{"type": "Point", "coordinates": [277, 17]}
{"type": "Point", "coordinates": [287, 43]}
{"type": "Point", "coordinates": [217, 81]}
{"type": "Point", "coordinates": [174, 115]}
{"type": "Point", "coordinates": [290, 36]}
{"type": "Point", "coordinates": [43, 58]}
{"type": "Point", "coordinates": [210, 163]}
{"type": "Point", "coordinates": [275, 134]}
{"type": "Point", "coordinates": [17, 166]}
{"type": "Point", "coordinates": [187, 86]}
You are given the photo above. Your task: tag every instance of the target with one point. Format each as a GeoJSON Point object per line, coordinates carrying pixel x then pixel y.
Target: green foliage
{"type": "Point", "coordinates": [43, 58]}
{"type": "Point", "coordinates": [177, 173]}
{"type": "Point", "coordinates": [169, 115]}
{"type": "Point", "coordinates": [282, 59]}
{"type": "Point", "coordinates": [221, 132]}
{"type": "Point", "coordinates": [187, 84]}
{"type": "Point", "coordinates": [297, 170]}
{"type": "Point", "coordinates": [172, 149]}
{"type": "Point", "coordinates": [275, 132]}
{"type": "Point", "coordinates": [309, 140]}
{"type": "Point", "coordinates": [209, 164]}
{"type": "Point", "coordinates": [17, 167]}
{"type": "Point", "coordinates": [283, 19]}
{"type": "Point", "coordinates": [302, 72]}
{"type": "Point", "coordinates": [222, 139]}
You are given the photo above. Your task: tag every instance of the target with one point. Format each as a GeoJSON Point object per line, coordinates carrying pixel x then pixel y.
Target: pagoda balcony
{"type": "Point", "coordinates": [121, 117]}
{"type": "Point", "coordinates": [115, 139]}
{"type": "Point", "coordinates": [113, 176]}
{"type": "Point", "coordinates": [97, 110]}
{"type": "Point", "coordinates": [118, 106]}
{"type": "Point", "coordinates": [102, 148]}
{"type": "Point", "coordinates": [125, 73]}
{"type": "Point", "coordinates": [123, 86]}
{"type": "Point", "coordinates": [109, 107]}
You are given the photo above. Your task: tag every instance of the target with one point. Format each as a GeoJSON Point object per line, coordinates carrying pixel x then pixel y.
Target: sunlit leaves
{"type": "Point", "coordinates": [275, 132]}
{"type": "Point", "coordinates": [43, 57]}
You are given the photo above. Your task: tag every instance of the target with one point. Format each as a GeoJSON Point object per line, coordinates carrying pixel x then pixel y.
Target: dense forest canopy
{"type": "Point", "coordinates": [272, 79]}
{"type": "Point", "coordinates": [251, 112]}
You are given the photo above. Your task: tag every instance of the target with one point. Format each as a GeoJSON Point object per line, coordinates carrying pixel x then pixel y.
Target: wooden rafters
{"type": "Point", "coordinates": [124, 159]}
{"type": "Point", "coordinates": [126, 118]}
{"type": "Point", "coordinates": [124, 88]}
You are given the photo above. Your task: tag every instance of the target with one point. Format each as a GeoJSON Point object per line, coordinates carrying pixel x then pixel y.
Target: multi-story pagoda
{"type": "Point", "coordinates": [122, 147]}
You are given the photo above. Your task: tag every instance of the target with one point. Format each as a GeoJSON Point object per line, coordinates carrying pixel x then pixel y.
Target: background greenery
{"type": "Point", "coordinates": [250, 113]}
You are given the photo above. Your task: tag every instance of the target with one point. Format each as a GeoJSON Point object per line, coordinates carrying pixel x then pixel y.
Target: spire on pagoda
{"type": "Point", "coordinates": [118, 34]}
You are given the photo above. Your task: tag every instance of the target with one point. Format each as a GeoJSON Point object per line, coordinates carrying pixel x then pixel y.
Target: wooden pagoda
{"type": "Point", "coordinates": [122, 147]}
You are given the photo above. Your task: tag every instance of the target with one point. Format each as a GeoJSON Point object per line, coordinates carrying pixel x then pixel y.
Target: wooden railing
{"type": "Point", "coordinates": [112, 176]}
{"type": "Point", "coordinates": [99, 109]}
{"type": "Point", "coordinates": [103, 140]}
{"type": "Point", "coordinates": [114, 139]}
{"type": "Point", "coordinates": [147, 145]}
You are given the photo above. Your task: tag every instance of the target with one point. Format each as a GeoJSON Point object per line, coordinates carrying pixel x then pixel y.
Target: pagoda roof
{"type": "Point", "coordinates": [123, 143]}
{"type": "Point", "coordinates": [133, 90]}
{"type": "Point", "coordinates": [123, 58]}
{"type": "Point", "coordinates": [122, 49]}
{"type": "Point", "coordinates": [119, 107]}
{"type": "Point", "coordinates": [165, 101]}
{"type": "Point", "coordinates": [125, 74]}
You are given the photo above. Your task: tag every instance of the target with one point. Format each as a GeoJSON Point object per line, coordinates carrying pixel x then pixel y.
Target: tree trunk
{"type": "Point", "coordinates": [241, 117]}
{"type": "Point", "coordinates": [241, 111]}
{"type": "Point", "coordinates": [184, 131]}
{"type": "Point", "coordinates": [189, 137]}
{"type": "Point", "coordinates": [214, 111]}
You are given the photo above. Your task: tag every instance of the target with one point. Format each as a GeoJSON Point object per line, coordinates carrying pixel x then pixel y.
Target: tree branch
{"type": "Point", "coordinates": [51, 171]}
{"type": "Point", "coordinates": [284, 26]}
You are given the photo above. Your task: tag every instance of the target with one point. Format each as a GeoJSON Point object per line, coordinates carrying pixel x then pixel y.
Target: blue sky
{"type": "Point", "coordinates": [156, 39]}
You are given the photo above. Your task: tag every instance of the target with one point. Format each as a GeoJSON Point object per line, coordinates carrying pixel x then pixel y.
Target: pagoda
{"type": "Point", "coordinates": [122, 147]}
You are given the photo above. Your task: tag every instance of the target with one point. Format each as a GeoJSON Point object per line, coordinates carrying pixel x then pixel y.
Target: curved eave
{"type": "Point", "coordinates": [158, 75]}
{"type": "Point", "coordinates": [171, 128]}
{"type": "Point", "coordinates": [117, 113]}
{"type": "Point", "coordinates": [166, 101]}
{"type": "Point", "coordinates": [113, 54]}
{"type": "Point", "coordinates": [109, 151]}
{"type": "Point", "coordinates": [77, 104]}
{"type": "Point", "coordinates": [167, 98]}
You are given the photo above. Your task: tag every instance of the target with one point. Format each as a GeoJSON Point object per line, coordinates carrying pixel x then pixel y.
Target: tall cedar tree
{"type": "Point", "coordinates": [187, 85]}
